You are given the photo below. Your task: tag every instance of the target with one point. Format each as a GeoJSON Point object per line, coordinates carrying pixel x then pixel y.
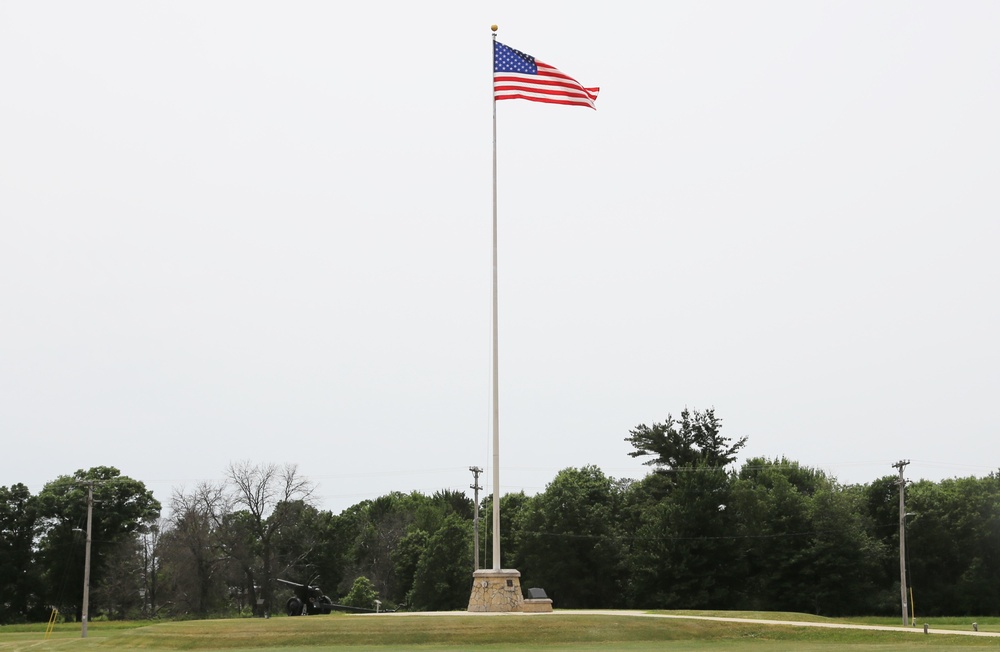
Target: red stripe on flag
{"type": "Point", "coordinates": [549, 85]}
{"type": "Point", "coordinates": [548, 100]}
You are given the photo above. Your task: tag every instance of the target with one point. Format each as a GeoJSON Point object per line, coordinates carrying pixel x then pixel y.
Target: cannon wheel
{"type": "Point", "coordinates": [325, 605]}
{"type": "Point", "coordinates": [293, 607]}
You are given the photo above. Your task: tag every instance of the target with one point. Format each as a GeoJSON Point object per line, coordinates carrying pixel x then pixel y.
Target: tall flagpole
{"type": "Point", "coordinates": [515, 76]}
{"type": "Point", "coordinates": [496, 354]}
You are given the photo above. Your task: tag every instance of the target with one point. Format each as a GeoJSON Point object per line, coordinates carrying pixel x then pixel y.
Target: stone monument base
{"type": "Point", "coordinates": [537, 606]}
{"type": "Point", "coordinates": [496, 590]}
{"type": "Point", "coordinates": [536, 601]}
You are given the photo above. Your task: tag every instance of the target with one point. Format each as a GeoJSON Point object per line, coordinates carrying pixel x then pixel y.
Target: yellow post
{"type": "Point", "coordinates": [52, 622]}
{"type": "Point", "coordinates": [913, 610]}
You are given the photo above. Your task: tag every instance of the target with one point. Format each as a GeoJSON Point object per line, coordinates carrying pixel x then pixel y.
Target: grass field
{"type": "Point", "coordinates": [431, 633]}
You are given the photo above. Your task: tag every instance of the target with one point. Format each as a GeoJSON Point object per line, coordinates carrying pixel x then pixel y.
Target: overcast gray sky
{"type": "Point", "coordinates": [261, 231]}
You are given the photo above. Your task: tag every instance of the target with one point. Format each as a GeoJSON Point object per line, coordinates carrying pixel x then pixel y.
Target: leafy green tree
{"type": "Point", "coordinates": [685, 554]}
{"type": "Point", "coordinates": [331, 561]}
{"type": "Point", "coordinates": [449, 501]}
{"type": "Point", "coordinates": [19, 578]}
{"type": "Point", "coordinates": [694, 441]}
{"type": "Point", "coordinates": [806, 545]}
{"type": "Point", "coordinates": [373, 529]}
{"type": "Point", "coordinates": [879, 501]}
{"type": "Point", "coordinates": [405, 558]}
{"type": "Point", "coordinates": [953, 545]}
{"type": "Point", "coordinates": [772, 500]}
{"type": "Point", "coordinates": [443, 579]}
{"type": "Point", "coordinates": [362, 594]}
{"type": "Point", "coordinates": [241, 562]}
{"type": "Point", "coordinates": [303, 550]}
{"type": "Point", "coordinates": [513, 508]}
{"type": "Point", "coordinates": [297, 540]}
{"type": "Point", "coordinates": [123, 509]}
{"type": "Point", "coordinates": [684, 551]}
{"type": "Point", "coordinates": [569, 542]}
{"type": "Point", "coordinates": [844, 557]}
{"type": "Point", "coordinates": [979, 583]}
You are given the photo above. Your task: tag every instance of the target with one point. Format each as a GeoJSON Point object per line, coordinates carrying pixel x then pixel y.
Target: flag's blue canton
{"type": "Point", "coordinates": [507, 59]}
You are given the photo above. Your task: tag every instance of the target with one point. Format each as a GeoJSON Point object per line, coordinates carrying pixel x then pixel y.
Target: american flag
{"type": "Point", "coordinates": [520, 76]}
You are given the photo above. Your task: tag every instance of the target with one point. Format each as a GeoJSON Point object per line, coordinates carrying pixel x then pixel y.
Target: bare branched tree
{"type": "Point", "coordinates": [259, 489]}
{"type": "Point", "coordinates": [195, 547]}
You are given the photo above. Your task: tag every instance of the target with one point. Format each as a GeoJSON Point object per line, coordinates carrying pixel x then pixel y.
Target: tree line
{"type": "Point", "coordinates": [697, 532]}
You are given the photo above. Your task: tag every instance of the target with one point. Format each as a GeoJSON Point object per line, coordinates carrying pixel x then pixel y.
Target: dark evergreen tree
{"type": "Point", "coordinates": [20, 581]}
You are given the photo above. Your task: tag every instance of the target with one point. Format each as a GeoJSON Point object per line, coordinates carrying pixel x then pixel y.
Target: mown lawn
{"type": "Point", "coordinates": [431, 633]}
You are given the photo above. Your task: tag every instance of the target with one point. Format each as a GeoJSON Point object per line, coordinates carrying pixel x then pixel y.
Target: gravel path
{"type": "Point", "coordinates": [792, 623]}
{"type": "Point", "coordinates": [721, 619]}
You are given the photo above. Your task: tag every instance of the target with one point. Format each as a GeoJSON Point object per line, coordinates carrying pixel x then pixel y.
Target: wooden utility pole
{"type": "Point", "coordinates": [475, 521]}
{"type": "Point", "coordinates": [902, 537]}
{"type": "Point", "coordinates": [86, 560]}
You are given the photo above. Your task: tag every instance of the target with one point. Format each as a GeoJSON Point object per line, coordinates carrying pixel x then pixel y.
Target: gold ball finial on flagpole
{"type": "Point", "coordinates": [494, 28]}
